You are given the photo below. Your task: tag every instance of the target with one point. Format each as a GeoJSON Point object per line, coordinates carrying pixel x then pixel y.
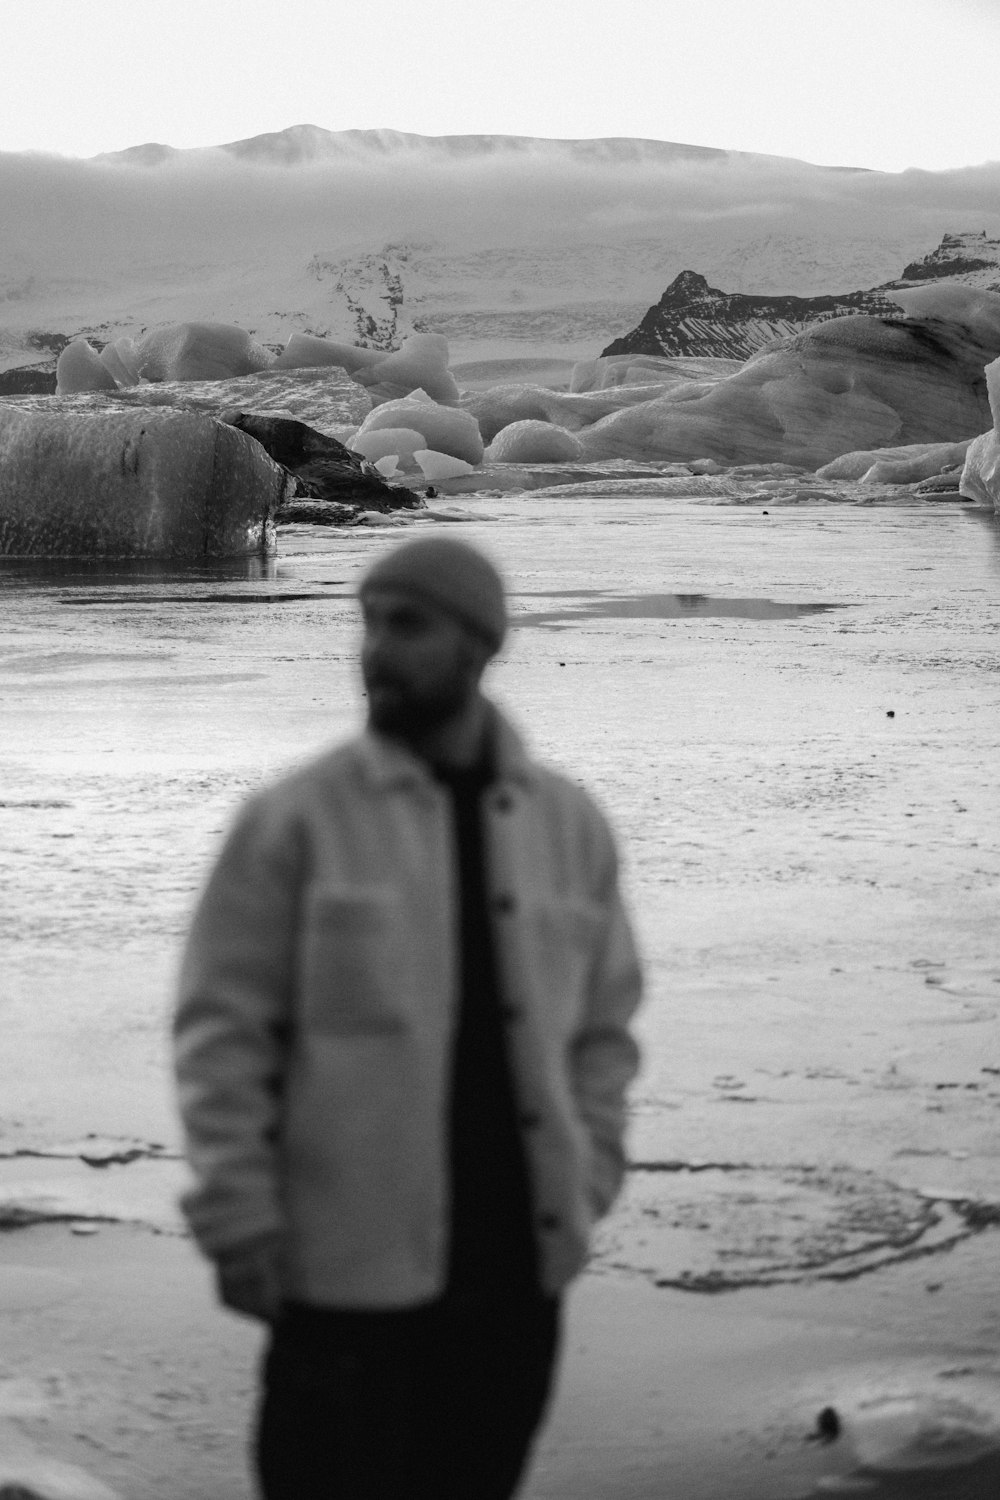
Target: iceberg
{"type": "Point", "coordinates": [378, 443]}
{"type": "Point", "coordinates": [421, 362]}
{"type": "Point", "coordinates": [80, 368]}
{"type": "Point", "coordinates": [437, 468]}
{"type": "Point", "coordinates": [305, 351]}
{"type": "Point", "coordinates": [848, 384]}
{"type": "Point", "coordinates": [122, 360]}
{"type": "Point", "coordinates": [144, 483]}
{"type": "Point", "coordinates": [446, 429]}
{"type": "Point", "coordinates": [907, 465]}
{"type": "Point", "coordinates": [199, 351]}
{"type": "Point", "coordinates": [533, 443]}
{"type": "Point", "coordinates": [980, 479]}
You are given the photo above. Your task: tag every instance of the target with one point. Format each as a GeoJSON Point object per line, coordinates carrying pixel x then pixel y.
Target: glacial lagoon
{"type": "Point", "coordinates": [801, 765]}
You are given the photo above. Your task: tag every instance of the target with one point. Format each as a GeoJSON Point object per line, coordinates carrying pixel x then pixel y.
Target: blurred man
{"type": "Point", "coordinates": [402, 1052]}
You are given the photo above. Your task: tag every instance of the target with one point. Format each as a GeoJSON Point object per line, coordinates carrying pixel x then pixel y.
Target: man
{"type": "Point", "coordinates": [402, 1052]}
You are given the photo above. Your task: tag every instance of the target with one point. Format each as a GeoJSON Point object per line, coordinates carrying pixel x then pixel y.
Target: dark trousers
{"type": "Point", "coordinates": [421, 1404]}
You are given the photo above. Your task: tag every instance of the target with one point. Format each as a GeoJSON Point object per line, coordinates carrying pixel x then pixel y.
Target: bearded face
{"type": "Point", "coordinates": [420, 665]}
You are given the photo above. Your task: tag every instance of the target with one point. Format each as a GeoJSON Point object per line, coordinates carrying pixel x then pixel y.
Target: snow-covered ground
{"type": "Point", "coordinates": [790, 714]}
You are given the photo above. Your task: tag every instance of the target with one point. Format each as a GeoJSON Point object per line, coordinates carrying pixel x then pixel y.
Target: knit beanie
{"type": "Point", "coordinates": [450, 574]}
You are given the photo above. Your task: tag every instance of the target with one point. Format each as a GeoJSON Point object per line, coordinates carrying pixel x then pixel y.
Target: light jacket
{"type": "Point", "coordinates": [319, 994]}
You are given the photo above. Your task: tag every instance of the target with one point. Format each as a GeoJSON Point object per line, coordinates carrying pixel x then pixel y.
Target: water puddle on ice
{"type": "Point", "coordinates": [667, 607]}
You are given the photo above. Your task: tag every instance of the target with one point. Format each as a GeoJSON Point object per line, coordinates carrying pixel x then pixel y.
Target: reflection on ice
{"type": "Point", "coordinates": [110, 572]}
{"type": "Point", "coordinates": [668, 607]}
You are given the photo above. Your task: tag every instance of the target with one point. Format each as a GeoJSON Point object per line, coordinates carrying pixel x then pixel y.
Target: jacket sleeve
{"type": "Point", "coordinates": [605, 1057]}
{"type": "Point", "coordinates": [231, 1028]}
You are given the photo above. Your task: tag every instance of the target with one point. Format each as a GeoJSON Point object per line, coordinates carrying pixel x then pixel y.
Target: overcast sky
{"type": "Point", "coordinates": [876, 83]}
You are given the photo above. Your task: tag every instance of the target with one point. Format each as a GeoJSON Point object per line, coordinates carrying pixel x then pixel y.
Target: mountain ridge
{"type": "Point", "coordinates": [694, 318]}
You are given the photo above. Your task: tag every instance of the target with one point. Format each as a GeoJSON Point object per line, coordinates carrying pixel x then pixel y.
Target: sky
{"type": "Point", "coordinates": [888, 84]}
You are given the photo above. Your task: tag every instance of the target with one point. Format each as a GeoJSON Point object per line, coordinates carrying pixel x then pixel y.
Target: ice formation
{"type": "Point", "coordinates": [122, 359]}
{"type": "Point", "coordinates": [439, 467]}
{"type": "Point", "coordinates": [906, 465]}
{"type": "Point", "coordinates": [611, 370]}
{"type": "Point", "coordinates": [80, 368]}
{"type": "Point", "coordinates": [142, 483]}
{"type": "Point", "coordinates": [850, 383]}
{"type": "Point", "coordinates": [421, 362]}
{"type": "Point", "coordinates": [443, 428]}
{"type": "Point", "coordinates": [533, 443]}
{"type": "Point", "coordinates": [199, 351]}
{"type": "Point", "coordinates": [309, 351]}
{"type": "Point", "coordinates": [981, 475]}
{"type": "Point", "coordinates": [378, 443]}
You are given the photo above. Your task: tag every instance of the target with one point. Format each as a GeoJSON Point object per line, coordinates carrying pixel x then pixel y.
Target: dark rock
{"type": "Point", "coordinates": [26, 382]}
{"type": "Point", "coordinates": [332, 484]}
{"type": "Point", "coordinates": [693, 318]}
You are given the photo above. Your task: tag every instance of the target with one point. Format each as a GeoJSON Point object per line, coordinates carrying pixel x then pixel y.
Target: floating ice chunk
{"type": "Point", "coordinates": [421, 361]}
{"type": "Point", "coordinates": [444, 428]}
{"type": "Point", "coordinates": [387, 466]}
{"type": "Point", "coordinates": [533, 443]}
{"type": "Point", "coordinates": [307, 351]}
{"type": "Point", "coordinates": [122, 360]}
{"type": "Point", "coordinates": [141, 483]}
{"type": "Point", "coordinates": [503, 405]}
{"type": "Point", "coordinates": [438, 467]}
{"type": "Point", "coordinates": [80, 368]}
{"type": "Point", "coordinates": [911, 463]}
{"type": "Point", "coordinates": [376, 443]}
{"type": "Point", "coordinates": [200, 351]}
{"type": "Point", "coordinates": [981, 475]}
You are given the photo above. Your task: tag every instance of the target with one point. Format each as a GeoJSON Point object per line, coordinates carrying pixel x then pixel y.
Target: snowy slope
{"type": "Point", "coordinates": [509, 246]}
{"type": "Point", "coordinates": [693, 318]}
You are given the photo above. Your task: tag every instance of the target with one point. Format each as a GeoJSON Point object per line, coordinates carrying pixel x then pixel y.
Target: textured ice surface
{"type": "Point", "coordinates": [646, 369]}
{"type": "Point", "coordinates": [380, 442]}
{"type": "Point", "coordinates": [328, 400]}
{"type": "Point", "coordinates": [199, 351]}
{"type": "Point", "coordinates": [444, 428]}
{"type": "Point", "coordinates": [847, 384]}
{"type": "Point", "coordinates": [533, 443]}
{"type": "Point", "coordinates": [439, 467]}
{"type": "Point", "coordinates": [80, 368]}
{"type": "Point", "coordinates": [421, 362]}
{"type": "Point", "coordinates": [132, 484]}
{"type": "Point", "coordinates": [121, 358]}
{"type": "Point", "coordinates": [307, 350]}
{"type": "Point", "coordinates": [498, 407]}
{"type": "Point", "coordinates": [981, 475]}
{"type": "Point", "coordinates": [912, 462]}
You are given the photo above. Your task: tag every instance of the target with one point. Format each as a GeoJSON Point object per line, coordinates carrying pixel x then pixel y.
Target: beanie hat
{"type": "Point", "coordinates": [448, 573]}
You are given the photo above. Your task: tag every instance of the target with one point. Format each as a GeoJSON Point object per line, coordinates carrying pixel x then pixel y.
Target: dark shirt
{"type": "Point", "coordinates": [493, 1253]}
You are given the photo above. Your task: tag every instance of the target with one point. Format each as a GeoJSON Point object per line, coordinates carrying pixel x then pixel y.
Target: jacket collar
{"type": "Point", "coordinates": [387, 762]}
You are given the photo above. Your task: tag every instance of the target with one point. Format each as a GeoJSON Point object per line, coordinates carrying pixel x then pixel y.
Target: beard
{"type": "Point", "coordinates": [397, 709]}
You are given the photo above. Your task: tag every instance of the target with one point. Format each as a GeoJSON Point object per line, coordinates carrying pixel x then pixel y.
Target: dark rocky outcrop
{"type": "Point", "coordinates": [331, 483]}
{"type": "Point", "coordinates": [693, 318]}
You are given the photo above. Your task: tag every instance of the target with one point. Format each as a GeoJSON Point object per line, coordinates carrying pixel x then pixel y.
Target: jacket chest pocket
{"type": "Point", "coordinates": [352, 962]}
{"type": "Point", "coordinates": [562, 938]}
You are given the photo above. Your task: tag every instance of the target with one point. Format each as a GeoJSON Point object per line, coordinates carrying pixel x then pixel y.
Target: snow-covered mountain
{"type": "Point", "coordinates": [510, 246]}
{"type": "Point", "coordinates": [693, 318]}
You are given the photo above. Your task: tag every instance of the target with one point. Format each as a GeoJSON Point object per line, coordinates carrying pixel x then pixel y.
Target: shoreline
{"type": "Point", "coordinates": [117, 1362]}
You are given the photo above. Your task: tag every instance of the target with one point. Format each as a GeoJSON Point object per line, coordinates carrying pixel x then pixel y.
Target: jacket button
{"type": "Point", "coordinates": [549, 1221]}
{"type": "Point", "coordinates": [505, 904]}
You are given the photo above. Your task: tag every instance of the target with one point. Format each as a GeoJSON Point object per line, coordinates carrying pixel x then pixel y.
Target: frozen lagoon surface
{"type": "Point", "coordinates": [792, 720]}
